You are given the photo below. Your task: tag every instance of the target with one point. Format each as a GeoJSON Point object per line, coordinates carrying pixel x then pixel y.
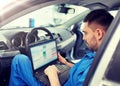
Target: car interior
{"type": "Point", "coordinates": [24, 23]}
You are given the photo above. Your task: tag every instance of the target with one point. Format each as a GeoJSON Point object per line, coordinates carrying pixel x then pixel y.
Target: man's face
{"type": "Point", "coordinates": [90, 36]}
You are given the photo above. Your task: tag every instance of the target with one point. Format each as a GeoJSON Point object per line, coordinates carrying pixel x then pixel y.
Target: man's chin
{"type": "Point", "coordinates": [87, 45]}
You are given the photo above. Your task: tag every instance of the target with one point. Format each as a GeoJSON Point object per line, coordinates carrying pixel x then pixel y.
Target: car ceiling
{"type": "Point", "coordinates": [31, 5]}
{"type": "Point", "coordinates": [95, 4]}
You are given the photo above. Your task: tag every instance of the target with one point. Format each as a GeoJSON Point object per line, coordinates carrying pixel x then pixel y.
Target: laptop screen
{"type": "Point", "coordinates": [43, 53]}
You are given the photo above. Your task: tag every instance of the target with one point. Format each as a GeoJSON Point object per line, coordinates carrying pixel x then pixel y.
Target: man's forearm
{"type": "Point", "coordinates": [69, 64]}
{"type": "Point", "coordinates": [54, 80]}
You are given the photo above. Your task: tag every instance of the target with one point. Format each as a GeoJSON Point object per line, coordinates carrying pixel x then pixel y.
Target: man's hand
{"type": "Point", "coordinates": [61, 59]}
{"type": "Point", "coordinates": [52, 73]}
{"type": "Point", "coordinates": [51, 70]}
{"type": "Point", "coordinates": [64, 61]}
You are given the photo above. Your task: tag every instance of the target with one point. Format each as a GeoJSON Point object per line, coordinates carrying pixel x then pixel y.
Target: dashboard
{"type": "Point", "coordinates": [15, 38]}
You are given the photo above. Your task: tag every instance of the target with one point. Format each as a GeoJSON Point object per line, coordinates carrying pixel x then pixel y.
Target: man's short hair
{"type": "Point", "coordinates": [99, 16]}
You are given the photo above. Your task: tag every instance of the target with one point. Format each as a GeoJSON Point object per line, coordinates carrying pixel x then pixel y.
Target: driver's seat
{"type": "Point", "coordinates": [80, 48]}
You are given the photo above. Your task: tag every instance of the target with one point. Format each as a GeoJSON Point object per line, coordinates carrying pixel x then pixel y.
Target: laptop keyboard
{"type": "Point", "coordinates": [62, 68]}
{"type": "Point", "coordinates": [43, 78]}
{"type": "Point", "coordinates": [63, 76]}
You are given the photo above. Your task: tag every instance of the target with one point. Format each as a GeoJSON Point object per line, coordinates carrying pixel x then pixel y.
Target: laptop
{"type": "Point", "coordinates": [42, 55]}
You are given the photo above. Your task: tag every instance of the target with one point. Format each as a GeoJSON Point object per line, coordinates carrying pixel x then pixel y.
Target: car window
{"type": "Point", "coordinates": [48, 16]}
{"type": "Point", "coordinates": [114, 12]}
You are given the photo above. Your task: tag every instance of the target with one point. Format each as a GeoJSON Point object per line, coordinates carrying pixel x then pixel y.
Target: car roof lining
{"type": "Point", "coordinates": [32, 5]}
{"type": "Point", "coordinates": [105, 4]}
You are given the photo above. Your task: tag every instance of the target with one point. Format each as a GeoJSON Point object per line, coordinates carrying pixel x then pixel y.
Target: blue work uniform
{"type": "Point", "coordinates": [22, 74]}
{"type": "Point", "coordinates": [79, 71]}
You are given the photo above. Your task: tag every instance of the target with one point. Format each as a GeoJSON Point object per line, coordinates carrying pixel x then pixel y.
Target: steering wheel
{"type": "Point", "coordinates": [32, 33]}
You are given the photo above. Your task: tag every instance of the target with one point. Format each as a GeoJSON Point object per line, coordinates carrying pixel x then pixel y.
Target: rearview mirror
{"type": "Point", "coordinates": [66, 10]}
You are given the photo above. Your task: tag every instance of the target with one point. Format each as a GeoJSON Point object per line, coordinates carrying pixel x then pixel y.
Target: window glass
{"type": "Point", "coordinates": [47, 16]}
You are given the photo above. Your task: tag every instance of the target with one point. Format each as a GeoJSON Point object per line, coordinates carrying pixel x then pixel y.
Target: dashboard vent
{"type": "Point", "coordinates": [3, 46]}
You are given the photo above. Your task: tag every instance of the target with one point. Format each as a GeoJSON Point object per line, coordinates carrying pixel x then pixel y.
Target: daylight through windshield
{"type": "Point", "coordinates": [48, 16]}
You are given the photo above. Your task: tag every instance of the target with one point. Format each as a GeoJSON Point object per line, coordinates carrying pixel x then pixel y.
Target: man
{"type": "Point", "coordinates": [96, 24]}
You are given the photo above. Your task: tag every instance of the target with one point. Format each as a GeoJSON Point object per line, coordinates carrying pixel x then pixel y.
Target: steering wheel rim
{"type": "Point", "coordinates": [27, 39]}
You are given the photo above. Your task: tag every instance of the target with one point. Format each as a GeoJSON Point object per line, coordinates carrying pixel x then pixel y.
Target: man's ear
{"type": "Point", "coordinates": [100, 33]}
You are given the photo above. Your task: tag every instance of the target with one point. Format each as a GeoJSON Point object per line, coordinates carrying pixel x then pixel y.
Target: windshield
{"type": "Point", "coordinates": [53, 15]}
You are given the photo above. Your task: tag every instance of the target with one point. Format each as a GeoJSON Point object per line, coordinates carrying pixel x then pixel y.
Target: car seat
{"type": "Point", "coordinates": [80, 48]}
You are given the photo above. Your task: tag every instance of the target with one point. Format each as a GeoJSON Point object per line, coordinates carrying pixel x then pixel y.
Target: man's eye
{"type": "Point", "coordinates": [84, 33]}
